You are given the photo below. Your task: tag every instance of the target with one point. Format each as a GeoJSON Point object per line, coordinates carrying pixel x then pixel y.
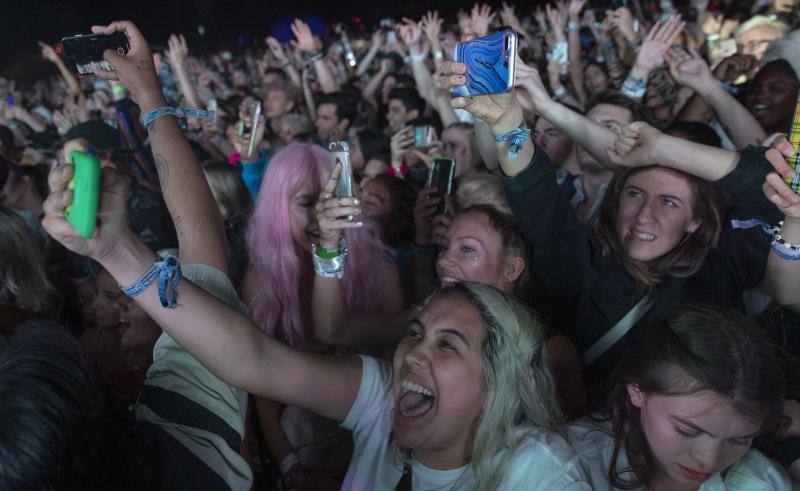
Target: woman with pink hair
{"type": "Point", "coordinates": [278, 290]}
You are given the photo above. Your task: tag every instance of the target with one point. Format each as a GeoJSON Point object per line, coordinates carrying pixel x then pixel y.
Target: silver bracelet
{"type": "Point", "coordinates": [330, 267]}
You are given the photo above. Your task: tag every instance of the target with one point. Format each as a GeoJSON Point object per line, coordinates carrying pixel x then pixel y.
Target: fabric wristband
{"type": "Point", "coordinates": [165, 271]}
{"type": "Point", "coordinates": [517, 137]}
{"type": "Point", "coordinates": [118, 89]}
{"type": "Point", "coordinates": [179, 112]}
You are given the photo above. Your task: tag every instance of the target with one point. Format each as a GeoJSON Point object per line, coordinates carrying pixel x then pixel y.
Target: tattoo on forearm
{"type": "Point", "coordinates": [163, 169]}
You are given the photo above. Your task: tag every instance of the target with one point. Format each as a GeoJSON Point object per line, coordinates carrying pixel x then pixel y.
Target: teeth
{"type": "Point", "coordinates": [760, 107]}
{"type": "Point", "coordinates": [644, 236]}
{"type": "Point", "coordinates": [415, 388]}
{"type": "Point", "coordinates": [448, 279]}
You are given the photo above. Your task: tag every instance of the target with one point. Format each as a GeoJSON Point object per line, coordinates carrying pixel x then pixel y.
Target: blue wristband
{"type": "Point", "coordinates": [166, 271]}
{"type": "Point", "coordinates": [179, 112]}
{"type": "Point", "coordinates": [517, 137]}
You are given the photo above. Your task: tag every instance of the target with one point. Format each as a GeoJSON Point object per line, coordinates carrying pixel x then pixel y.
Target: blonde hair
{"type": "Point", "coordinates": [759, 21]}
{"type": "Point", "coordinates": [520, 391]}
{"type": "Point", "coordinates": [23, 279]}
{"type": "Point", "coordinates": [480, 188]}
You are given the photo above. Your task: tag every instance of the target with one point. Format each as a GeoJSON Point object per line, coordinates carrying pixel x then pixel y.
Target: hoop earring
{"type": "Point", "coordinates": [685, 238]}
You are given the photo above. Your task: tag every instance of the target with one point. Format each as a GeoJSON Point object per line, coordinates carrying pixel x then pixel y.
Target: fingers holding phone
{"type": "Point", "coordinates": [334, 214]}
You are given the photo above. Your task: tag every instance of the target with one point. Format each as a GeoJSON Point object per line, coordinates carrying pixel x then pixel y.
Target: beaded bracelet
{"type": "Point", "coordinates": [517, 137]}
{"type": "Point", "coordinates": [573, 27]}
{"type": "Point", "coordinates": [166, 271]}
{"type": "Point", "coordinates": [785, 250]}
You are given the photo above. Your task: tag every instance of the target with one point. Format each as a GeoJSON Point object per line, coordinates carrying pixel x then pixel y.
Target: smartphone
{"type": "Point", "coordinates": [81, 213]}
{"type": "Point", "coordinates": [255, 114]}
{"type": "Point", "coordinates": [794, 140]}
{"type": "Point", "coordinates": [560, 54]}
{"type": "Point", "coordinates": [85, 51]}
{"type": "Point", "coordinates": [727, 47]}
{"type": "Point", "coordinates": [340, 153]}
{"type": "Point", "coordinates": [490, 64]}
{"type": "Point", "coordinates": [441, 177]}
{"type": "Point", "coordinates": [423, 136]}
{"type": "Point", "coordinates": [212, 106]}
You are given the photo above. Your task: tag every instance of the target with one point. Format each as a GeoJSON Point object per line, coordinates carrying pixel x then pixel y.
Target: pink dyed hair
{"type": "Point", "coordinates": [284, 279]}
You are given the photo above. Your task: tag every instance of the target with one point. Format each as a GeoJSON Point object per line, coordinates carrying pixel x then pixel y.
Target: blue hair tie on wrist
{"type": "Point", "coordinates": [167, 271]}
{"type": "Point", "coordinates": [517, 137]}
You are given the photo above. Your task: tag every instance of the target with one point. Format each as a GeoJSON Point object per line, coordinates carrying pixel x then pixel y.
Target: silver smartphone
{"type": "Point", "coordinates": [340, 153]}
{"type": "Point", "coordinates": [255, 114]}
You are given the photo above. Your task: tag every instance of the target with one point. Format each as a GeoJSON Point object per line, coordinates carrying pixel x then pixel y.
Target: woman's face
{"type": "Point", "coordinates": [104, 303]}
{"type": "Point", "coordinates": [137, 331]}
{"type": "Point", "coordinates": [376, 202]}
{"type": "Point", "coordinates": [594, 79]}
{"type": "Point", "coordinates": [372, 169]}
{"type": "Point", "coordinates": [692, 437]}
{"type": "Point", "coordinates": [301, 217]}
{"type": "Point", "coordinates": [457, 143]}
{"type": "Point", "coordinates": [772, 99]}
{"type": "Point", "coordinates": [655, 213]}
{"type": "Point", "coordinates": [439, 388]}
{"type": "Point", "coordinates": [474, 252]}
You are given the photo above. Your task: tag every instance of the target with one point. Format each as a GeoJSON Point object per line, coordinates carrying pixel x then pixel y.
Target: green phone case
{"type": "Point", "coordinates": [85, 185]}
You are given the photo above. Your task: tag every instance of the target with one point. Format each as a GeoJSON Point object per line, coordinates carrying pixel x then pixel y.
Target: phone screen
{"type": "Point", "coordinates": [441, 177]}
{"type": "Point", "coordinates": [423, 136]}
{"type": "Point", "coordinates": [85, 52]}
{"type": "Point", "coordinates": [490, 64]}
{"type": "Point", "coordinates": [340, 153]}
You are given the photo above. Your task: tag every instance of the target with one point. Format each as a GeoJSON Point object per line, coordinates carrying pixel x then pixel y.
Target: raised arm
{"type": "Point", "coordinates": [333, 324]}
{"type": "Point", "coordinates": [651, 56]}
{"type": "Point", "coordinates": [377, 42]}
{"type": "Point", "coordinates": [177, 56]}
{"type": "Point", "coordinates": [307, 43]}
{"type": "Point", "coordinates": [574, 40]}
{"type": "Point", "coordinates": [411, 34]}
{"type": "Point", "coordinates": [201, 236]}
{"type": "Point", "coordinates": [50, 55]}
{"type": "Point", "coordinates": [782, 277]}
{"type": "Point", "coordinates": [277, 50]}
{"type": "Point", "coordinates": [693, 72]}
{"type": "Point", "coordinates": [220, 337]}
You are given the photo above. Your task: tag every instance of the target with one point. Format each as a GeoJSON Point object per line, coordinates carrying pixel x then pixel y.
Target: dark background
{"type": "Point", "coordinates": [23, 22]}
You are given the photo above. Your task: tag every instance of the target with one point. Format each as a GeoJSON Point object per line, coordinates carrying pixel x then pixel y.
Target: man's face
{"type": "Point", "coordinates": [327, 122]}
{"type": "Point", "coordinates": [277, 103]}
{"type": "Point", "coordinates": [397, 115]}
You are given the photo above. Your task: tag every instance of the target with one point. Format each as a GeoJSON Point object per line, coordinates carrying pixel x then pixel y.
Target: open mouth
{"type": "Point", "coordinates": [643, 236]}
{"type": "Point", "coordinates": [448, 280]}
{"type": "Point", "coordinates": [123, 325]}
{"type": "Point", "coordinates": [415, 400]}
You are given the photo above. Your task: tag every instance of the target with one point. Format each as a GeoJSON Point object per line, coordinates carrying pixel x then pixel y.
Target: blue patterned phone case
{"type": "Point", "coordinates": [490, 64]}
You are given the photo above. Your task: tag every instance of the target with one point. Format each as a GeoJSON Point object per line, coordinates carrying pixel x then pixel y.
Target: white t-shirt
{"type": "Point", "coordinates": [542, 461]}
{"type": "Point", "coordinates": [593, 442]}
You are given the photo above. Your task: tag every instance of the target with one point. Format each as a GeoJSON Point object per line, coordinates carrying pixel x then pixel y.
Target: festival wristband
{"type": "Point", "coordinates": [179, 112]}
{"type": "Point", "coordinates": [517, 137]}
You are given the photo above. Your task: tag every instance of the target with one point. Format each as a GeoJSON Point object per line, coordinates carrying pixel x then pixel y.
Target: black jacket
{"type": "Point", "coordinates": [590, 289]}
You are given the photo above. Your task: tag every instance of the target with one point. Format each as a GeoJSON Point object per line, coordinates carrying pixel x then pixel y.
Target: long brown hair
{"type": "Point", "coordinates": [697, 348]}
{"type": "Point", "coordinates": [708, 206]}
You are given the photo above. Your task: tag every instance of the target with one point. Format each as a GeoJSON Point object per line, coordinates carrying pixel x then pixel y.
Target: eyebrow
{"type": "Point", "coordinates": [668, 196]}
{"type": "Point", "coordinates": [479, 241]}
{"type": "Point", "coordinates": [446, 330]}
{"type": "Point", "coordinates": [701, 430]}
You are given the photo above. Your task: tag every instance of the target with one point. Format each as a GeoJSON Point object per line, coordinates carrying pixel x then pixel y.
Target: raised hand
{"type": "Point", "coordinates": [111, 214]}
{"type": "Point", "coordinates": [276, 48]}
{"type": "Point", "coordinates": [528, 80]}
{"type": "Point", "coordinates": [734, 66]}
{"type": "Point", "coordinates": [331, 213]}
{"type": "Point", "coordinates": [574, 9]}
{"type": "Point", "coordinates": [656, 43]}
{"type": "Point", "coordinates": [400, 143]}
{"type": "Point", "coordinates": [622, 19]}
{"type": "Point", "coordinates": [304, 38]}
{"type": "Point", "coordinates": [481, 18]}
{"type": "Point", "coordinates": [490, 108]}
{"type": "Point", "coordinates": [432, 26]}
{"type": "Point", "coordinates": [509, 17]}
{"type": "Point", "coordinates": [178, 51]}
{"type": "Point", "coordinates": [48, 53]}
{"type": "Point", "coordinates": [688, 69]}
{"type": "Point", "coordinates": [775, 187]}
{"type": "Point", "coordinates": [410, 32]}
{"type": "Point", "coordinates": [136, 70]}
{"type": "Point", "coordinates": [636, 145]}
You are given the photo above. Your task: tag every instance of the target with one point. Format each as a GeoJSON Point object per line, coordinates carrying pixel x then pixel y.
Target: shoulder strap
{"type": "Point", "coordinates": [621, 328]}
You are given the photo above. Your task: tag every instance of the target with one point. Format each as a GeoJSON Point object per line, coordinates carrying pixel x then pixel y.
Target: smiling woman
{"type": "Point", "coordinates": [686, 406]}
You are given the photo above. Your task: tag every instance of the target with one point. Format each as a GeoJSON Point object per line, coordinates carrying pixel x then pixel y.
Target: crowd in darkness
{"type": "Point", "coordinates": [607, 298]}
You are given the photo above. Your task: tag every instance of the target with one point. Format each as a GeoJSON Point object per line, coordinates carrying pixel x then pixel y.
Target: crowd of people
{"type": "Point", "coordinates": [606, 300]}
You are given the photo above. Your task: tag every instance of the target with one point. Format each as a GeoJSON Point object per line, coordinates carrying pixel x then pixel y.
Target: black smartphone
{"type": "Point", "coordinates": [85, 51]}
{"type": "Point", "coordinates": [441, 176]}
